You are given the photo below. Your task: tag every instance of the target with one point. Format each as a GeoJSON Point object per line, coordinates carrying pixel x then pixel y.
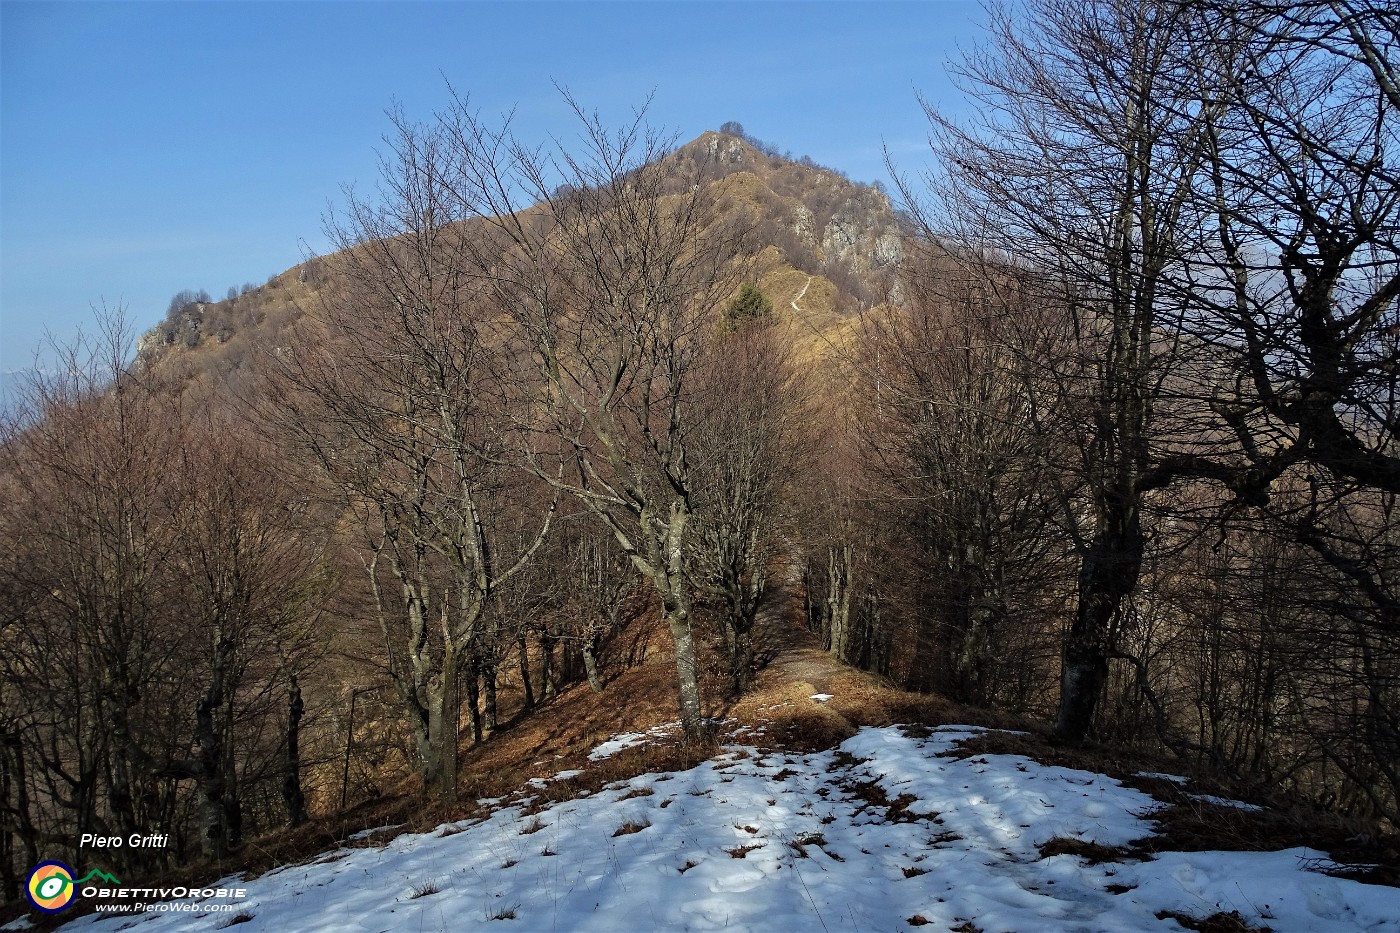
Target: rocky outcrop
{"type": "Point", "coordinates": [804, 225]}
{"type": "Point", "coordinates": [724, 149]}
{"type": "Point", "coordinates": [862, 235]}
{"type": "Point", "coordinates": [184, 328]}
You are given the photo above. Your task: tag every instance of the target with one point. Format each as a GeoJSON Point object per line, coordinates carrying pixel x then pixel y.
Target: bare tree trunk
{"type": "Point", "coordinates": [440, 771]}
{"type": "Point", "coordinates": [983, 614]}
{"type": "Point", "coordinates": [590, 664]}
{"type": "Point", "coordinates": [292, 793]}
{"type": "Point", "coordinates": [741, 660]}
{"type": "Point", "coordinates": [209, 779]}
{"type": "Point", "coordinates": [121, 752]}
{"type": "Point", "coordinates": [9, 878]}
{"type": "Point", "coordinates": [838, 601]}
{"type": "Point", "coordinates": [687, 675]}
{"type": "Point", "coordinates": [549, 677]}
{"type": "Point", "coordinates": [874, 649]}
{"type": "Point", "coordinates": [523, 653]}
{"type": "Point", "coordinates": [488, 681]}
{"type": "Point", "coordinates": [675, 601]}
{"type": "Point", "coordinates": [233, 793]}
{"type": "Point", "coordinates": [14, 799]}
{"type": "Point", "coordinates": [472, 676]}
{"type": "Point", "coordinates": [1107, 575]}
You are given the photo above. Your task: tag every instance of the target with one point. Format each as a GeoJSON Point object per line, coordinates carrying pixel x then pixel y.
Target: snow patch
{"type": "Point", "coordinates": [366, 833]}
{"type": "Point", "coordinates": [630, 739]}
{"type": "Point", "coordinates": [1225, 802]}
{"type": "Point", "coordinates": [779, 841]}
{"type": "Point", "coordinates": [540, 783]}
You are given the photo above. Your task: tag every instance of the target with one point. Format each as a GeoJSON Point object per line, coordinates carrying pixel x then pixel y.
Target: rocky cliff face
{"type": "Point", "coordinates": [822, 222]}
{"type": "Point", "coordinates": [862, 234]}
{"type": "Point", "coordinates": [725, 150]}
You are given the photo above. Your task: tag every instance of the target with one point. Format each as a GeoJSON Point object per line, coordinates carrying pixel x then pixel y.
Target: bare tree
{"type": "Point", "coordinates": [1209, 191]}
{"type": "Point", "coordinates": [1297, 286]}
{"type": "Point", "coordinates": [612, 280]}
{"type": "Point", "coordinates": [1079, 170]}
{"type": "Point", "coordinates": [404, 398]}
{"type": "Point", "coordinates": [598, 593]}
{"type": "Point", "coordinates": [959, 474]}
{"type": "Point", "coordinates": [752, 418]}
{"type": "Point", "coordinates": [1294, 292]}
{"type": "Point", "coordinates": [162, 588]}
{"type": "Point", "coordinates": [246, 566]}
{"type": "Point", "coordinates": [89, 466]}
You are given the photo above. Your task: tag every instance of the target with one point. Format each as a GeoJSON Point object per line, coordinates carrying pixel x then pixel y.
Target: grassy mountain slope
{"type": "Point", "coordinates": [819, 237]}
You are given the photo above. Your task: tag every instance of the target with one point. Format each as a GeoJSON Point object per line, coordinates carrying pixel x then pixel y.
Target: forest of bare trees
{"type": "Point", "coordinates": [1119, 456]}
{"type": "Point", "coordinates": [1146, 393]}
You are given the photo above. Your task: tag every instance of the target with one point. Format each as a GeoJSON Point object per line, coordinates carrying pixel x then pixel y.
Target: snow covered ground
{"type": "Point", "coordinates": [881, 834]}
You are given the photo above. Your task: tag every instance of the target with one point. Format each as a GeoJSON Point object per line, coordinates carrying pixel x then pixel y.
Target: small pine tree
{"type": "Point", "coordinates": [750, 305]}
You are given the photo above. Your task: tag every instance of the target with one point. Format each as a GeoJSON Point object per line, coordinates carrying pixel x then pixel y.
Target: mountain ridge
{"type": "Point", "coordinates": [814, 229]}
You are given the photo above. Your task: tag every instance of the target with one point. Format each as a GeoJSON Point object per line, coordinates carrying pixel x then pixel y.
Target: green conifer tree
{"type": "Point", "coordinates": [750, 305]}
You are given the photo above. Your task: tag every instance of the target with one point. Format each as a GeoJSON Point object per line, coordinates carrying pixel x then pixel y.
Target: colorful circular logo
{"type": "Point", "coordinates": [50, 887]}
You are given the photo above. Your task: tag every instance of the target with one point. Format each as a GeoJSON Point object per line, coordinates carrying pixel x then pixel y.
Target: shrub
{"type": "Point", "coordinates": [750, 305]}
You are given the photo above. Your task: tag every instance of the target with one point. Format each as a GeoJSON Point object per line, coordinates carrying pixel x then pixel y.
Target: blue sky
{"type": "Point", "coordinates": [147, 148]}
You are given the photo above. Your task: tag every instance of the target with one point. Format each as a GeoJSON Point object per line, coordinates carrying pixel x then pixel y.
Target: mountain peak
{"type": "Point", "coordinates": [813, 225]}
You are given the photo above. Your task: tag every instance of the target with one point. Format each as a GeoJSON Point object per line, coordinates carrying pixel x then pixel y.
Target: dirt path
{"type": "Point", "coordinates": [798, 298]}
{"type": "Point", "coordinates": [783, 644]}
{"type": "Point", "coordinates": [782, 640]}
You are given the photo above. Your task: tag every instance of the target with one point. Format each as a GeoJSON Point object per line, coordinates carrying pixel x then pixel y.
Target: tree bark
{"type": "Point", "coordinates": [1107, 575]}
{"type": "Point", "coordinates": [549, 677]}
{"type": "Point", "coordinates": [488, 683]}
{"type": "Point", "coordinates": [687, 675]}
{"type": "Point", "coordinates": [292, 793]}
{"type": "Point", "coordinates": [472, 675]}
{"type": "Point", "coordinates": [590, 664]}
{"type": "Point", "coordinates": [209, 781]}
{"type": "Point", "coordinates": [440, 771]}
{"type": "Point", "coordinates": [522, 649]}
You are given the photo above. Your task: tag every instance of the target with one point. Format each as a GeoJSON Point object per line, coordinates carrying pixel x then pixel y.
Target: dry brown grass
{"type": "Point", "coordinates": [1091, 852]}
{"type": "Point", "coordinates": [1215, 923]}
{"type": "Point", "coordinates": [631, 827]}
{"type": "Point", "coordinates": [782, 705]}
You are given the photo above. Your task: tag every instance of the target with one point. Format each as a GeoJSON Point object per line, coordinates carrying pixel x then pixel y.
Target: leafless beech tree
{"type": "Point", "coordinates": [163, 593]}
{"type": "Point", "coordinates": [960, 476]}
{"type": "Point", "coordinates": [752, 440]}
{"type": "Point", "coordinates": [612, 281]}
{"type": "Point", "coordinates": [404, 398]}
{"type": "Point", "coordinates": [247, 577]}
{"type": "Point", "coordinates": [1297, 284]}
{"type": "Point", "coordinates": [87, 466]}
{"type": "Point", "coordinates": [1210, 192]}
{"type": "Point", "coordinates": [1088, 146]}
{"type": "Point", "coordinates": [1295, 292]}
{"type": "Point", "coordinates": [599, 592]}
